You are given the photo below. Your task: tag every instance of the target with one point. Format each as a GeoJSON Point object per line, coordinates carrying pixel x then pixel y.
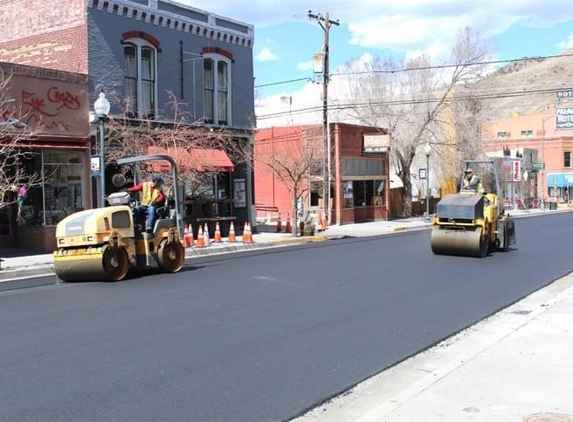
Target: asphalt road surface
{"type": "Point", "coordinates": [259, 336]}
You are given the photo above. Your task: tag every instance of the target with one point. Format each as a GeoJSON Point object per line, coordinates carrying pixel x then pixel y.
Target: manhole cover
{"type": "Point", "coordinates": [548, 417]}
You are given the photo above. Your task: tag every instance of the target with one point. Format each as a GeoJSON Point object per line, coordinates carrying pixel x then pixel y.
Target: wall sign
{"type": "Point", "coordinates": [240, 188]}
{"type": "Point", "coordinates": [376, 143]}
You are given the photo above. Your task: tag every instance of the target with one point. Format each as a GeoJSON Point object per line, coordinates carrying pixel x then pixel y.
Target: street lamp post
{"type": "Point", "coordinates": [427, 151]}
{"type": "Point", "coordinates": [542, 206]}
{"type": "Point", "coordinates": [101, 108]}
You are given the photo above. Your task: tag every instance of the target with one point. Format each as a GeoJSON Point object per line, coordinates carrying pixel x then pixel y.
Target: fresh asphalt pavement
{"type": "Point", "coordinates": [255, 336]}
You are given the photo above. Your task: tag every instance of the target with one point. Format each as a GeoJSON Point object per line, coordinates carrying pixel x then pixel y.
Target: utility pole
{"type": "Point", "coordinates": [325, 23]}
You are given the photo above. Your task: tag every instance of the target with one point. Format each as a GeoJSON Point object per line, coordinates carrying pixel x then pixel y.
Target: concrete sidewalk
{"type": "Point", "coordinates": [514, 367]}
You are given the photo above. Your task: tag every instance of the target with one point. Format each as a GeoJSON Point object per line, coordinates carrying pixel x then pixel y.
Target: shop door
{"type": "Point", "coordinates": [6, 225]}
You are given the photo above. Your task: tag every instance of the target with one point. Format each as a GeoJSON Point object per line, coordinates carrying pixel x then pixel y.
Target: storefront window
{"type": "Point", "coordinates": [63, 192]}
{"type": "Point", "coordinates": [364, 193]}
{"type": "Point", "coordinates": [348, 194]}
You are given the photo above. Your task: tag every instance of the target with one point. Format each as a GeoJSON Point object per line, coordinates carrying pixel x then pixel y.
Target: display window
{"type": "Point", "coordinates": [62, 194]}
{"type": "Point", "coordinates": [363, 193]}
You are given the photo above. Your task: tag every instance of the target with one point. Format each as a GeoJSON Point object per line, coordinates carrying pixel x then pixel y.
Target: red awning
{"type": "Point", "coordinates": [200, 159]}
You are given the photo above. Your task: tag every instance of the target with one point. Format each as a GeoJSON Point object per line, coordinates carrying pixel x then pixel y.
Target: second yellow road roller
{"type": "Point", "coordinates": [105, 243]}
{"type": "Point", "coordinates": [473, 222]}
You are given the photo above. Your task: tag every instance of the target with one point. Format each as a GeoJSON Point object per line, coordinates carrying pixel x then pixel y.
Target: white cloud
{"type": "Point", "coordinates": [309, 65]}
{"type": "Point", "coordinates": [437, 48]}
{"type": "Point", "coordinates": [564, 45]}
{"type": "Point", "coordinates": [266, 55]}
{"type": "Point", "coordinates": [402, 26]}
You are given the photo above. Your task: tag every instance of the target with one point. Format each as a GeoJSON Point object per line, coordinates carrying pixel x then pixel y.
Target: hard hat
{"type": "Point", "coordinates": [468, 170]}
{"type": "Point", "coordinates": [157, 178]}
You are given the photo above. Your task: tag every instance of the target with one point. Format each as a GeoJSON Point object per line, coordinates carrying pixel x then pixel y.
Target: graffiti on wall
{"type": "Point", "coordinates": [44, 109]}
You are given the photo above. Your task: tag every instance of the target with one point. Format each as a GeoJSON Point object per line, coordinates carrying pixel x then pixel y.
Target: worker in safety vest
{"type": "Point", "coordinates": [152, 197]}
{"type": "Point", "coordinates": [472, 182]}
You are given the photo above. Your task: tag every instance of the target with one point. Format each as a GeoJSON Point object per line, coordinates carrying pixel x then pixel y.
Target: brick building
{"type": "Point", "coordinates": [50, 108]}
{"type": "Point", "coordinates": [536, 133]}
{"type": "Point", "coordinates": [140, 51]}
{"type": "Point", "coordinates": [360, 166]}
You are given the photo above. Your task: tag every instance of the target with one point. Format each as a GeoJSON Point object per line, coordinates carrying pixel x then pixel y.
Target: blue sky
{"type": "Point", "coordinates": [286, 39]}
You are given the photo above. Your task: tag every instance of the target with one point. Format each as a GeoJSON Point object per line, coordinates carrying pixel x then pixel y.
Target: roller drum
{"type": "Point", "coordinates": [466, 241]}
{"type": "Point", "coordinates": [108, 264]}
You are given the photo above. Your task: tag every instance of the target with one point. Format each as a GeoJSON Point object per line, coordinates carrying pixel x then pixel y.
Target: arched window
{"type": "Point", "coordinates": [222, 92]}
{"type": "Point", "coordinates": [140, 78]}
{"type": "Point", "coordinates": [216, 89]}
{"type": "Point", "coordinates": [208, 91]}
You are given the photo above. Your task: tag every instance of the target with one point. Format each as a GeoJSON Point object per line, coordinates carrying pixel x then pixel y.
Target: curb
{"type": "Point", "coordinates": [240, 247]}
{"type": "Point", "coordinates": [47, 270]}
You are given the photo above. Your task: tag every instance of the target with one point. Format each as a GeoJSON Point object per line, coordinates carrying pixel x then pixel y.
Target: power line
{"type": "Point", "coordinates": [283, 82]}
{"type": "Point", "coordinates": [412, 69]}
{"type": "Point", "coordinates": [447, 66]}
{"type": "Point", "coordinates": [350, 105]}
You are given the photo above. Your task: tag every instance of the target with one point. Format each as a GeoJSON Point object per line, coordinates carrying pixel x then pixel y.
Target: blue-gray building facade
{"type": "Point", "coordinates": [143, 51]}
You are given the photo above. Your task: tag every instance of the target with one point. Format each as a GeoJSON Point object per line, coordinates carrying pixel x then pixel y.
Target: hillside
{"type": "Point", "coordinates": [523, 86]}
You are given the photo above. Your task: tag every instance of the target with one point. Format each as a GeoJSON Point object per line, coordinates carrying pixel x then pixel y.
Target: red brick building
{"type": "Point", "coordinates": [45, 34]}
{"type": "Point", "coordinates": [360, 166]}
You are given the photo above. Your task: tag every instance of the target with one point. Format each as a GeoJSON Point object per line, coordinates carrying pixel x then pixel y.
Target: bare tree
{"type": "Point", "coordinates": [178, 136]}
{"type": "Point", "coordinates": [414, 101]}
{"type": "Point", "coordinates": [294, 156]}
{"type": "Point", "coordinates": [15, 180]}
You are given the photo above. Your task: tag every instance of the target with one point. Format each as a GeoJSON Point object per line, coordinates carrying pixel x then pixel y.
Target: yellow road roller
{"type": "Point", "coordinates": [473, 222]}
{"type": "Point", "coordinates": [106, 243]}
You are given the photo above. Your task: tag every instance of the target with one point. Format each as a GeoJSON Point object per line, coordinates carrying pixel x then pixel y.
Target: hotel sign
{"type": "Point", "coordinates": [564, 118]}
{"type": "Point", "coordinates": [565, 94]}
{"type": "Point", "coordinates": [376, 143]}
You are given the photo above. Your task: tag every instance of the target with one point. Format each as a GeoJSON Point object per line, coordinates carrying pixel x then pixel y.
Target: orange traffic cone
{"type": "Point", "coordinates": [206, 237]}
{"type": "Point", "coordinates": [185, 236]}
{"type": "Point", "coordinates": [247, 236]}
{"type": "Point", "coordinates": [217, 237]}
{"type": "Point", "coordinates": [288, 228]}
{"type": "Point", "coordinates": [279, 224]}
{"type": "Point", "coordinates": [232, 235]}
{"type": "Point", "coordinates": [191, 238]}
{"type": "Point", "coordinates": [322, 220]}
{"type": "Point", "coordinates": [200, 238]}
{"type": "Point", "coordinates": [188, 238]}
{"type": "Point", "coordinates": [250, 233]}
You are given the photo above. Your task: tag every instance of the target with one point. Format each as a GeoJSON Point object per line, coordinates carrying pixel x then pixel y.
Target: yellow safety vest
{"type": "Point", "coordinates": [149, 194]}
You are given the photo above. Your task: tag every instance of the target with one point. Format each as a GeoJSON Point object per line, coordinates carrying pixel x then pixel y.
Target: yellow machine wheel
{"type": "Point", "coordinates": [171, 256]}
{"type": "Point", "coordinates": [115, 263]}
